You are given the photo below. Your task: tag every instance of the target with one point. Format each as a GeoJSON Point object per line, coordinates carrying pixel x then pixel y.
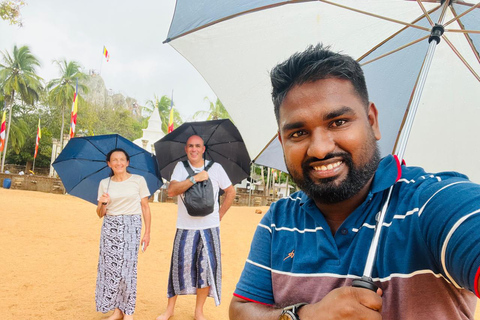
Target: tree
{"type": "Point", "coordinates": [18, 75]}
{"type": "Point", "coordinates": [10, 11]}
{"type": "Point", "coordinates": [62, 90]}
{"type": "Point", "coordinates": [215, 112]}
{"type": "Point", "coordinates": [163, 106]}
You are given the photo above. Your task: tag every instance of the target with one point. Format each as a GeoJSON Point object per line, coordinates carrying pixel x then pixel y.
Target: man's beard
{"type": "Point", "coordinates": [326, 190]}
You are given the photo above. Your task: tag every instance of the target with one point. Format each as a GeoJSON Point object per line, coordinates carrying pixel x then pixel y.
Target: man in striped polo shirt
{"type": "Point", "coordinates": [309, 247]}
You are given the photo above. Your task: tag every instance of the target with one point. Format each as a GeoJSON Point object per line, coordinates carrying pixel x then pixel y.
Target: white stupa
{"type": "Point", "coordinates": [152, 133]}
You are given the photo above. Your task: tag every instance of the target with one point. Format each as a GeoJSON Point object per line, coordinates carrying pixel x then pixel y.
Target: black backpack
{"type": "Point", "coordinates": [199, 199]}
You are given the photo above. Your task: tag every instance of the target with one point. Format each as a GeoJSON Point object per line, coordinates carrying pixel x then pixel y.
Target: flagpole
{"type": "Point", "coordinates": [7, 131]}
{"type": "Point", "coordinates": [101, 61]}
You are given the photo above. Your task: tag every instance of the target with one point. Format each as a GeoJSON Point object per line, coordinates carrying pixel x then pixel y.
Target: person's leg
{"type": "Point", "coordinates": [202, 295]}
{"type": "Point", "coordinates": [128, 317]}
{"type": "Point", "coordinates": [170, 309]}
{"type": "Point", "coordinates": [116, 315]}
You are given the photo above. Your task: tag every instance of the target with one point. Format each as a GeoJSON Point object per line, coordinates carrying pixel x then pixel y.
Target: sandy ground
{"type": "Point", "coordinates": [49, 252]}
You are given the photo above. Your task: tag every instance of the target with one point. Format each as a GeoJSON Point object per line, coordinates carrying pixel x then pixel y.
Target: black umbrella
{"type": "Point", "coordinates": [223, 143]}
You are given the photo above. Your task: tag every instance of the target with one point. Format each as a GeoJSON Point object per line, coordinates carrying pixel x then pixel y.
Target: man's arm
{"type": "Point", "coordinates": [178, 187]}
{"type": "Point", "coordinates": [227, 203]}
{"type": "Point", "coordinates": [342, 303]}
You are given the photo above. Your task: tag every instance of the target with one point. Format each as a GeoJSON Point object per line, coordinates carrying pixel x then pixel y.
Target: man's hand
{"type": "Point", "coordinates": [345, 303]}
{"type": "Point", "coordinates": [201, 176]}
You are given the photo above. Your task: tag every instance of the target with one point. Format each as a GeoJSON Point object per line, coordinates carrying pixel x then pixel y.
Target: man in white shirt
{"type": "Point", "coordinates": [196, 258]}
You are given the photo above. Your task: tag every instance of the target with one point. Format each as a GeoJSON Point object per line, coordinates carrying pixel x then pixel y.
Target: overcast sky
{"type": "Point", "coordinates": [140, 65]}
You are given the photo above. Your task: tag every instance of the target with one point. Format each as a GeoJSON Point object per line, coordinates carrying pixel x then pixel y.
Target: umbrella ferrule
{"type": "Point", "coordinates": [436, 33]}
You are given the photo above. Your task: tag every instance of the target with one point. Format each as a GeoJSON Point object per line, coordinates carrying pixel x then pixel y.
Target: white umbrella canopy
{"type": "Point", "coordinates": [234, 45]}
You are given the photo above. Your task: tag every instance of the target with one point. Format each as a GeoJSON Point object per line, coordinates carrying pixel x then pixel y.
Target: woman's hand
{"type": "Point", "coordinates": [102, 205]}
{"type": "Point", "coordinates": [145, 242]}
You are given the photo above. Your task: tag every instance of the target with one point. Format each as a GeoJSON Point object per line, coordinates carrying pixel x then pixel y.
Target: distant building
{"type": "Point", "coordinates": [152, 133]}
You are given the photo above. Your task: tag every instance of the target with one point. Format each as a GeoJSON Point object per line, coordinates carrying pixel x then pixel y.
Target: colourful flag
{"type": "Point", "coordinates": [37, 141]}
{"type": "Point", "coordinates": [2, 131]}
{"type": "Point", "coordinates": [73, 117]}
{"type": "Point", "coordinates": [106, 54]}
{"type": "Point", "coordinates": [170, 120]}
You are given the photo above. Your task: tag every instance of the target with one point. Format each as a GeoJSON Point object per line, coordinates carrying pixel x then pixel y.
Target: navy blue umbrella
{"type": "Point", "coordinates": [82, 165]}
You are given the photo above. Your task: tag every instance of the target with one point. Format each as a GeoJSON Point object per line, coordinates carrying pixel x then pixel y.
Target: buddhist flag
{"type": "Point", "coordinates": [37, 141]}
{"type": "Point", "coordinates": [170, 119]}
{"type": "Point", "coordinates": [106, 54]}
{"type": "Point", "coordinates": [73, 117]}
{"type": "Point", "coordinates": [2, 131]}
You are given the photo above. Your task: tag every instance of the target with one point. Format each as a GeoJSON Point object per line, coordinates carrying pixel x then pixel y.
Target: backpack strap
{"type": "Point", "coordinates": [188, 168]}
{"type": "Point", "coordinates": [191, 173]}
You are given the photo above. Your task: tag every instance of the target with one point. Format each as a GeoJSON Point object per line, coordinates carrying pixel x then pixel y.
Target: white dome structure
{"type": "Point", "coordinates": [152, 133]}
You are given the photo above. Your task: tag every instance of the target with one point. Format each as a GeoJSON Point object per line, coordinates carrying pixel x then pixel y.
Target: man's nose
{"type": "Point", "coordinates": [322, 143]}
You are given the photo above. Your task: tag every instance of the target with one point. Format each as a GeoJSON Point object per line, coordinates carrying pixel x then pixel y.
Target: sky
{"type": "Point", "coordinates": [140, 65]}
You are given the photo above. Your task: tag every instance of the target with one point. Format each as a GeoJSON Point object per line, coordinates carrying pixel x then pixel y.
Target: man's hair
{"type": "Point", "coordinates": [315, 63]}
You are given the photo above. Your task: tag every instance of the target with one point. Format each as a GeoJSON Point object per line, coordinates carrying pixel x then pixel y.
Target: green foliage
{"type": "Point", "coordinates": [163, 104]}
{"type": "Point", "coordinates": [10, 11]}
{"type": "Point", "coordinates": [18, 75]}
{"type": "Point", "coordinates": [62, 90]}
{"type": "Point", "coordinates": [215, 112]}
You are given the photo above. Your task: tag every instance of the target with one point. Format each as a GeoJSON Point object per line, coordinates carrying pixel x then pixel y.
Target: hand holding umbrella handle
{"type": "Point", "coordinates": [366, 283]}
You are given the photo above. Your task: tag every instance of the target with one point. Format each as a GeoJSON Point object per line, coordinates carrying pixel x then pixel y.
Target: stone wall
{"type": "Point", "coordinates": [33, 183]}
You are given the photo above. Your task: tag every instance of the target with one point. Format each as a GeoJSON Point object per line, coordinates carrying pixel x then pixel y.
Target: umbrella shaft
{"type": "Point", "coordinates": [402, 144]}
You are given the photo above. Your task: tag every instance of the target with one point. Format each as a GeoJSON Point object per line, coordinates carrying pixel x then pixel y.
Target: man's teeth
{"type": "Point", "coordinates": [328, 167]}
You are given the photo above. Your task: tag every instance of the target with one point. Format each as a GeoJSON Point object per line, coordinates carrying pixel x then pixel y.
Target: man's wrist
{"type": "Point", "coordinates": [192, 180]}
{"type": "Point", "coordinates": [290, 312]}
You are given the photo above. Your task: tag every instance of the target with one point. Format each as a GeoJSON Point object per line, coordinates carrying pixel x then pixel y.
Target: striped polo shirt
{"type": "Point", "coordinates": [428, 257]}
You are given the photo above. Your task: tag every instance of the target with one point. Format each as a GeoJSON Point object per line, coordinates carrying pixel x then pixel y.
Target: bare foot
{"type": "Point", "coordinates": [117, 315]}
{"type": "Point", "coordinates": [164, 316]}
{"type": "Point", "coordinates": [128, 317]}
{"type": "Point", "coordinates": [200, 317]}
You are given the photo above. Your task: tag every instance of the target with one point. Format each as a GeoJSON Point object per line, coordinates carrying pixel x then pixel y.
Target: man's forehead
{"type": "Point", "coordinates": [195, 140]}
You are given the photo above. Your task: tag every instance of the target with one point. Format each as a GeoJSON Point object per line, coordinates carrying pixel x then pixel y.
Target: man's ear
{"type": "Point", "coordinates": [372, 115]}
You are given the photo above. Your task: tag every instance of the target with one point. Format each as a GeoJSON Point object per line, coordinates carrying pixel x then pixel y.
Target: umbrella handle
{"type": "Point", "coordinates": [366, 283]}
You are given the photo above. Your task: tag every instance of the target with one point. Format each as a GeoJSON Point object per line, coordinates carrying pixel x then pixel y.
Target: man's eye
{"type": "Point", "coordinates": [338, 123]}
{"type": "Point", "coordinates": [297, 134]}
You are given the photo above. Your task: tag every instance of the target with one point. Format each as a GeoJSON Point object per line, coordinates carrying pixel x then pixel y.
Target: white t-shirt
{"type": "Point", "coordinates": [219, 179]}
{"type": "Point", "coordinates": [125, 196]}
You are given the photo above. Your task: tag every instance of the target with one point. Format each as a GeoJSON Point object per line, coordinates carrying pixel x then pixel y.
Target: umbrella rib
{"type": "Point", "coordinates": [376, 15]}
{"type": "Point", "coordinates": [395, 50]}
{"type": "Point", "coordinates": [266, 146]}
{"type": "Point", "coordinates": [206, 142]}
{"type": "Point", "coordinates": [462, 31]}
{"type": "Point", "coordinates": [228, 18]}
{"type": "Point", "coordinates": [457, 17]}
{"type": "Point", "coordinates": [467, 37]}
{"type": "Point", "coordinates": [425, 12]}
{"type": "Point", "coordinates": [459, 55]}
{"type": "Point", "coordinates": [391, 37]}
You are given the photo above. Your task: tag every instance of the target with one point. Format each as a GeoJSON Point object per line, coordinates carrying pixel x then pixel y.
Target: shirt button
{"type": "Point", "coordinates": [344, 231]}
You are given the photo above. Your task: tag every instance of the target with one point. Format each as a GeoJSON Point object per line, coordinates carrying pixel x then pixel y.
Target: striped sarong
{"type": "Point", "coordinates": [117, 263]}
{"type": "Point", "coordinates": [196, 263]}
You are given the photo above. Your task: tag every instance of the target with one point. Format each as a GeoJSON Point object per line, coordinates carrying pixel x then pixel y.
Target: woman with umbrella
{"type": "Point", "coordinates": [122, 199]}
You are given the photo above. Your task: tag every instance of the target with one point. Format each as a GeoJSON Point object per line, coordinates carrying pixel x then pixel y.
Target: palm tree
{"type": "Point", "coordinates": [215, 112]}
{"type": "Point", "coordinates": [18, 75]}
{"type": "Point", "coordinates": [163, 104]}
{"type": "Point", "coordinates": [62, 90]}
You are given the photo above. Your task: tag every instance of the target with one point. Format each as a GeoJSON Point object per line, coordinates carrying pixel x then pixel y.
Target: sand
{"type": "Point", "coordinates": [49, 253]}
